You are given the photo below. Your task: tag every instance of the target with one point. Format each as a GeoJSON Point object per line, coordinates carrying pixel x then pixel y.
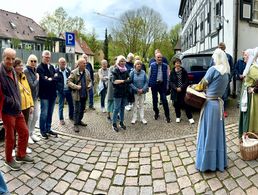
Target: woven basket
{"type": "Point", "coordinates": [250, 152]}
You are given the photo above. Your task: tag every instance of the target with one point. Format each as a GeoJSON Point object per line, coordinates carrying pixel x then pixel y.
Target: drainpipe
{"type": "Point", "coordinates": [236, 44]}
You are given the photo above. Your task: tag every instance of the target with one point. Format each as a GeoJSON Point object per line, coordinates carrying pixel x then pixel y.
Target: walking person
{"type": "Point", "coordinates": [103, 83]}
{"type": "Point", "coordinates": [33, 79]}
{"type": "Point", "coordinates": [11, 113]}
{"type": "Point", "coordinates": [80, 82]}
{"type": "Point", "coordinates": [63, 91]}
{"type": "Point", "coordinates": [47, 94]}
{"type": "Point", "coordinates": [211, 146]}
{"type": "Point", "coordinates": [121, 83]}
{"type": "Point", "coordinates": [159, 83]}
{"type": "Point", "coordinates": [179, 83]}
{"type": "Point", "coordinates": [139, 86]}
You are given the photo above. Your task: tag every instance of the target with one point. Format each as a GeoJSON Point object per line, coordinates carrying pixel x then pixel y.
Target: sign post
{"type": "Point", "coordinates": [69, 42]}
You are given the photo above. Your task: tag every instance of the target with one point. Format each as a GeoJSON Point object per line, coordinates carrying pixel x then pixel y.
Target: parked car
{"type": "Point", "coordinates": [196, 65]}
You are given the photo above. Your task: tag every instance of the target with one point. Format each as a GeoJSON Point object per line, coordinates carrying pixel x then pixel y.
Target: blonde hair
{"type": "Point", "coordinates": [119, 58]}
{"type": "Point", "coordinates": [31, 57]}
{"type": "Point", "coordinates": [137, 62]}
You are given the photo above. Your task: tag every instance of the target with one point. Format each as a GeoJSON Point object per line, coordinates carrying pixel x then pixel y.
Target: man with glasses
{"type": "Point", "coordinates": [47, 94]}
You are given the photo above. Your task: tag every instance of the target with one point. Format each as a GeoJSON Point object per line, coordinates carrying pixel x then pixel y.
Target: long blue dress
{"type": "Point", "coordinates": [211, 151]}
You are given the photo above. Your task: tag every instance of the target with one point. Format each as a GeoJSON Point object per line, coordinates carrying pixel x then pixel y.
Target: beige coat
{"type": "Point", "coordinates": [74, 84]}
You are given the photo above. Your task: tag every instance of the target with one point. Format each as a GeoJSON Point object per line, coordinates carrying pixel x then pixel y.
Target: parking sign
{"type": "Point", "coordinates": [69, 39]}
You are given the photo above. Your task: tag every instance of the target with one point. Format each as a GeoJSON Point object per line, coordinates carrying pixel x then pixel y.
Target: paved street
{"type": "Point", "coordinates": [122, 163]}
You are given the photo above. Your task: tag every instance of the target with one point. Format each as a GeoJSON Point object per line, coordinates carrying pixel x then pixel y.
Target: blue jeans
{"type": "Point", "coordinates": [46, 112]}
{"type": "Point", "coordinates": [103, 94]}
{"type": "Point", "coordinates": [119, 107]}
{"type": "Point", "coordinates": [91, 96]}
{"type": "Point", "coordinates": [155, 90]}
{"type": "Point", "coordinates": [79, 107]}
{"type": "Point", "coordinates": [68, 96]}
{"type": "Point", "coordinates": [3, 187]}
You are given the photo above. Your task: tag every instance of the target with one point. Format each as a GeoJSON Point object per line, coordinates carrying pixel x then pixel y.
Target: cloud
{"type": "Point", "coordinates": [87, 10]}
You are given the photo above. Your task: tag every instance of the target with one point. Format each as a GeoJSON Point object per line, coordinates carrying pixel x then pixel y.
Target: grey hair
{"type": "Point", "coordinates": [46, 52]}
{"type": "Point", "coordinates": [61, 59]}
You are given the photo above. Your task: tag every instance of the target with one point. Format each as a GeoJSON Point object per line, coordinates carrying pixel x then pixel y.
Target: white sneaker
{"type": "Point", "coordinates": [178, 120]}
{"type": "Point", "coordinates": [144, 121]}
{"type": "Point", "coordinates": [133, 121]}
{"type": "Point", "coordinates": [28, 150]}
{"type": "Point", "coordinates": [103, 110]}
{"type": "Point", "coordinates": [35, 138]}
{"type": "Point", "coordinates": [13, 153]}
{"type": "Point", "coordinates": [191, 121]}
{"type": "Point", "coordinates": [30, 141]}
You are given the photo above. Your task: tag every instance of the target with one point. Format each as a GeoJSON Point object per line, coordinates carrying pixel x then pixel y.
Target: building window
{"type": "Point", "coordinates": [255, 11]}
{"type": "Point", "coordinates": [13, 25]}
{"type": "Point", "coordinates": [31, 29]}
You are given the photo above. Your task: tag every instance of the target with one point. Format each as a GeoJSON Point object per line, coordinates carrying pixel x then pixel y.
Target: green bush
{"type": "Point", "coordinates": [96, 66]}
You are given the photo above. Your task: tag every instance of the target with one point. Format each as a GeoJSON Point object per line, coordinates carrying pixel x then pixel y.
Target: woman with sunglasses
{"type": "Point", "coordinates": [27, 105]}
{"type": "Point", "coordinates": [33, 80]}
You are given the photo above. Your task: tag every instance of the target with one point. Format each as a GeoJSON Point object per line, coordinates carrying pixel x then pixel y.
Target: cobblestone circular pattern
{"type": "Point", "coordinates": [156, 130]}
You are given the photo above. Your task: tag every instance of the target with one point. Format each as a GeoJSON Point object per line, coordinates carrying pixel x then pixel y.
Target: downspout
{"type": "Point", "coordinates": [236, 30]}
{"type": "Point", "coordinates": [236, 44]}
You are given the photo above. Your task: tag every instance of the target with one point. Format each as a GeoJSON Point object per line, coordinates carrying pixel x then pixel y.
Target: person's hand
{"type": "Point", "coordinates": [241, 77]}
{"type": "Point", "coordinates": [50, 79]}
{"type": "Point", "coordinates": [46, 77]}
{"type": "Point", "coordinates": [55, 75]}
{"type": "Point", "coordinates": [178, 89]}
{"type": "Point", "coordinates": [79, 87]}
{"type": "Point", "coordinates": [31, 110]}
{"type": "Point", "coordinates": [37, 76]}
{"type": "Point", "coordinates": [250, 89]}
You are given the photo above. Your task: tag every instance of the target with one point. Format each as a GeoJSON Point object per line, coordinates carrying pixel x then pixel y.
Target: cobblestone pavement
{"type": "Point", "coordinates": [100, 129]}
{"type": "Point", "coordinates": [75, 165]}
{"type": "Point", "coordinates": [122, 163]}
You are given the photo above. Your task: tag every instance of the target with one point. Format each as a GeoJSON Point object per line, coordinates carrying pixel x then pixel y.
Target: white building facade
{"type": "Point", "coordinates": [206, 23]}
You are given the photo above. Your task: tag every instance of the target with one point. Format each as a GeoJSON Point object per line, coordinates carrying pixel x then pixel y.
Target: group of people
{"type": "Point", "coordinates": [28, 93]}
{"type": "Point", "coordinates": [123, 84]}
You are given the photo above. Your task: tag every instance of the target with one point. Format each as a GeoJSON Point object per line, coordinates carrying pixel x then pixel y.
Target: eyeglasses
{"type": "Point", "coordinates": [33, 61]}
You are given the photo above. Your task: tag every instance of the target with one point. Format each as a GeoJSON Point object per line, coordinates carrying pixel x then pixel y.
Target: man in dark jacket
{"type": "Point", "coordinates": [158, 81]}
{"type": "Point", "coordinates": [11, 112]}
{"type": "Point", "coordinates": [47, 94]}
{"type": "Point", "coordinates": [91, 91]}
{"type": "Point", "coordinates": [63, 90]}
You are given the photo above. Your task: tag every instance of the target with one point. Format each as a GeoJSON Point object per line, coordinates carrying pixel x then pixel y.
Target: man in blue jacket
{"type": "Point", "coordinates": [158, 81]}
{"type": "Point", "coordinates": [63, 91]}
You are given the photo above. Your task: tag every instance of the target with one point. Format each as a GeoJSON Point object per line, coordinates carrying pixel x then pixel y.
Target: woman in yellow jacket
{"type": "Point", "coordinates": [27, 104]}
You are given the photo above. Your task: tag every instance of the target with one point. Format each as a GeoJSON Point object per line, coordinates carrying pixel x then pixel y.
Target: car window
{"type": "Point", "coordinates": [196, 63]}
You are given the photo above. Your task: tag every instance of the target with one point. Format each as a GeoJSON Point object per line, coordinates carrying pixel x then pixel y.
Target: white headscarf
{"type": "Point", "coordinates": [221, 61]}
{"type": "Point", "coordinates": [252, 57]}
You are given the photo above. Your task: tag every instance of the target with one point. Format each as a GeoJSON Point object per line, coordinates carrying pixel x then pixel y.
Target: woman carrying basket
{"type": "Point", "coordinates": [211, 154]}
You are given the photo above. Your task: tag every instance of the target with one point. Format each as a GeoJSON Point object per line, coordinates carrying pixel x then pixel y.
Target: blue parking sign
{"type": "Point", "coordinates": [69, 39]}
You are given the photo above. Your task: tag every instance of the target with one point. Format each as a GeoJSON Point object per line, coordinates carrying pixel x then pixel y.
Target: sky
{"type": "Point", "coordinates": [88, 9]}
